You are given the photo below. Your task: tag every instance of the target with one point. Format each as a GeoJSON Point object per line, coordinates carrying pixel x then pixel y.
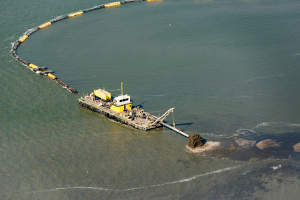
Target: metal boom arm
{"type": "Point", "coordinates": [163, 116]}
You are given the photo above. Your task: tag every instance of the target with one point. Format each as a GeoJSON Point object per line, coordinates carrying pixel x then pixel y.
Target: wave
{"type": "Point", "coordinates": [28, 31]}
{"type": "Point", "coordinates": [12, 45]}
{"type": "Point", "coordinates": [214, 135]}
{"type": "Point", "coordinates": [276, 167]}
{"type": "Point", "coordinates": [246, 132]}
{"type": "Point", "coordinates": [293, 125]}
{"type": "Point", "coordinates": [134, 188]}
{"type": "Point", "coordinates": [276, 124]}
{"type": "Point", "coordinates": [263, 77]}
{"type": "Point", "coordinates": [263, 124]}
{"type": "Point", "coordinates": [270, 127]}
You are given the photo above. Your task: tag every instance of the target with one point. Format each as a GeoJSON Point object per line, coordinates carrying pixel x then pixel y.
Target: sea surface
{"type": "Point", "coordinates": [229, 67]}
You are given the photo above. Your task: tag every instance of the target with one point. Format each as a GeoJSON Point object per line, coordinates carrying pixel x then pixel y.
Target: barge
{"type": "Point", "coordinates": [120, 109]}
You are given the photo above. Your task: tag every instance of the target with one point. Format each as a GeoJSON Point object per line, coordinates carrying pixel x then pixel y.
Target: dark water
{"type": "Point", "coordinates": [230, 68]}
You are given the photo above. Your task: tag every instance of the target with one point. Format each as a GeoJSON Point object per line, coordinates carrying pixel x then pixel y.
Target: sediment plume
{"type": "Point", "coordinates": [197, 144]}
{"type": "Point", "coordinates": [195, 140]}
{"type": "Point", "coordinates": [207, 146]}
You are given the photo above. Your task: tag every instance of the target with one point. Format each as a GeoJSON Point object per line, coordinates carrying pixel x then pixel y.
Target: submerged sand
{"type": "Point", "coordinates": [268, 143]}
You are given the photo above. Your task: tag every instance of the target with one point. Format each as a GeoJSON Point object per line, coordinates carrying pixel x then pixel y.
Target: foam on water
{"type": "Point", "coordinates": [213, 135]}
{"type": "Point", "coordinates": [276, 167]}
{"type": "Point", "coordinates": [296, 125]}
{"type": "Point", "coordinates": [277, 127]}
{"type": "Point", "coordinates": [207, 146]}
{"type": "Point", "coordinates": [135, 188]}
{"type": "Point", "coordinates": [263, 124]}
{"type": "Point", "coordinates": [12, 45]}
{"type": "Point", "coordinates": [246, 132]}
{"type": "Point", "coordinates": [263, 77]}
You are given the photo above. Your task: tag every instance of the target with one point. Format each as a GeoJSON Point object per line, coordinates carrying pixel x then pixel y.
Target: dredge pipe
{"type": "Point", "coordinates": [62, 83]}
{"type": "Point", "coordinates": [58, 19]}
{"type": "Point", "coordinates": [72, 90]}
{"type": "Point", "coordinates": [174, 129]}
{"type": "Point", "coordinates": [30, 32]}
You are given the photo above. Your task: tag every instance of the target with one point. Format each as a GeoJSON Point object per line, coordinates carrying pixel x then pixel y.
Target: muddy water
{"type": "Point", "coordinates": [230, 68]}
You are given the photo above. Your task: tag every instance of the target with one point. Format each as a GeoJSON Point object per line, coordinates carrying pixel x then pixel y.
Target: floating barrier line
{"type": "Point", "coordinates": [45, 25]}
{"type": "Point", "coordinates": [75, 14]}
{"type": "Point", "coordinates": [112, 4]}
{"type": "Point", "coordinates": [44, 70]}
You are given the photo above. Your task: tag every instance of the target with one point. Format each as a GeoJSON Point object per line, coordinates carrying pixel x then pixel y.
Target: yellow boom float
{"type": "Point", "coordinates": [75, 14]}
{"type": "Point", "coordinates": [112, 4]}
{"type": "Point", "coordinates": [45, 25]}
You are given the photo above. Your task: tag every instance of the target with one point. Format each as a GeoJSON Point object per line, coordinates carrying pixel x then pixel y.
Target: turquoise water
{"type": "Point", "coordinates": [230, 68]}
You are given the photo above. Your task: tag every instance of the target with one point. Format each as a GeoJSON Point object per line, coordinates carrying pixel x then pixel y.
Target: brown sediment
{"type": "Point", "coordinates": [268, 143]}
{"type": "Point", "coordinates": [195, 140]}
{"type": "Point", "coordinates": [206, 147]}
{"type": "Point", "coordinates": [297, 147]}
{"type": "Point", "coordinates": [247, 144]}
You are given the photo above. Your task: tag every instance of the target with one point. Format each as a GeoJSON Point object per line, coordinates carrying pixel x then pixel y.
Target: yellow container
{"type": "Point", "coordinates": [45, 25]}
{"type": "Point", "coordinates": [75, 14]}
{"type": "Point", "coordinates": [33, 66]}
{"type": "Point", "coordinates": [23, 38]}
{"type": "Point", "coordinates": [102, 94]}
{"type": "Point", "coordinates": [128, 106]}
{"type": "Point", "coordinates": [117, 108]}
{"type": "Point", "coordinates": [51, 76]}
{"type": "Point", "coordinates": [112, 4]}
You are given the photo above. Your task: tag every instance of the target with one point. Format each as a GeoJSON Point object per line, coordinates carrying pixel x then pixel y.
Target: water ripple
{"type": "Point", "coordinates": [134, 188]}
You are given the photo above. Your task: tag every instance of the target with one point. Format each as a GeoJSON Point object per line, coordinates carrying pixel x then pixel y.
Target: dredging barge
{"type": "Point", "coordinates": [121, 109]}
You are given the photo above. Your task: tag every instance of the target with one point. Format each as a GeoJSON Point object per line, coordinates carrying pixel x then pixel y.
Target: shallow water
{"type": "Point", "coordinates": [230, 68]}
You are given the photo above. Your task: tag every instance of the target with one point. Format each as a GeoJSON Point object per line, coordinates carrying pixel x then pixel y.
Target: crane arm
{"type": "Point", "coordinates": [163, 116]}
